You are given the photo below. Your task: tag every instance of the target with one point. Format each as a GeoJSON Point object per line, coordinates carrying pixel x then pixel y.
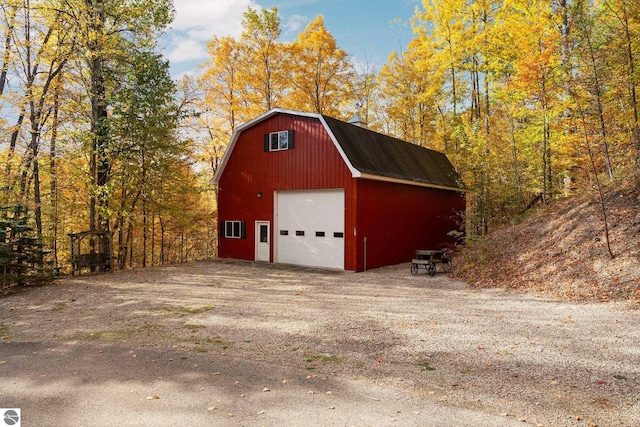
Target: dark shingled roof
{"type": "Point", "coordinates": [381, 155]}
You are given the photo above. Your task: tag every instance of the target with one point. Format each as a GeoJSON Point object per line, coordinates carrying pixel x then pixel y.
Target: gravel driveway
{"type": "Point", "coordinates": [238, 343]}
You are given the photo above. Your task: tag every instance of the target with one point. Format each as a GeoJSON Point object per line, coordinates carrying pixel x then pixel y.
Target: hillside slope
{"type": "Point", "coordinates": [560, 250]}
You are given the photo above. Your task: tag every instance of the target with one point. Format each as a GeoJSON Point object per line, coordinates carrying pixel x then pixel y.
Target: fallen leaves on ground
{"type": "Point", "coordinates": [559, 249]}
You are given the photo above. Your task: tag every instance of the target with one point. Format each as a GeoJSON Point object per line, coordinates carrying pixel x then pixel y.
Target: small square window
{"type": "Point", "coordinates": [319, 233]}
{"type": "Point", "coordinates": [284, 232]}
{"type": "Point", "coordinates": [300, 233]}
{"type": "Point", "coordinates": [339, 235]}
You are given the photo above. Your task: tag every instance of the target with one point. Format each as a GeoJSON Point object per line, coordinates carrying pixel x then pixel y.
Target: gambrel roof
{"type": "Point", "coordinates": [372, 155]}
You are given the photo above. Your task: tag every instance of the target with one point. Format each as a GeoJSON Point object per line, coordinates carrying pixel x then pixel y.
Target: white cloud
{"type": "Point", "coordinates": [294, 25]}
{"type": "Point", "coordinates": [197, 21]}
{"type": "Point", "coordinates": [185, 49]}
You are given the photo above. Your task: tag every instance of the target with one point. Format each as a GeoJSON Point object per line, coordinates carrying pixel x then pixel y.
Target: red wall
{"type": "Point", "coordinates": [396, 219]}
{"type": "Point", "coordinates": [399, 219]}
{"type": "Point", "coordinates": [313, 163]}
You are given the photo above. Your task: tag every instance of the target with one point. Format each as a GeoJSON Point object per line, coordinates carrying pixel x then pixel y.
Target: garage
{"type": "Point", "coordinates": [310, 228]}
{"type": "Point", "coordinates": [294, 187]}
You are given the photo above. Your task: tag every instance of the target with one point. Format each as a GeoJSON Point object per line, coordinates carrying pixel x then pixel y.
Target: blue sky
{"type": "Point", "coordinates": [368, 30]}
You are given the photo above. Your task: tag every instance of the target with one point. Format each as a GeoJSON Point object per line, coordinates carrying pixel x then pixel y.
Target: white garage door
{"type": "Point", "coordinates": [310, 228]}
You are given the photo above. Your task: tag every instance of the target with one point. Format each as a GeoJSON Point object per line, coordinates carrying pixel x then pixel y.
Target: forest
{"type": "Point", "coordinates": [531, 100]}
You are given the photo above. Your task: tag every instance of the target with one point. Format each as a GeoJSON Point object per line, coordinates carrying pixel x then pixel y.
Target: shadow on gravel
{"type": "Point", "coordinates": [239, 343]}
{"type": "Point", "coordinates": [106, 385]}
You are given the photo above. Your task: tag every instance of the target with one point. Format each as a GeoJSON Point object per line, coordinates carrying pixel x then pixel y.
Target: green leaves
{"type": "Point", "coordinates": [21, 252]}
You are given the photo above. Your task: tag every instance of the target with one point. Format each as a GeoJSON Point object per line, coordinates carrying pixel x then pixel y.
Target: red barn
{"type": "Point", "coordinates": [307, 189]}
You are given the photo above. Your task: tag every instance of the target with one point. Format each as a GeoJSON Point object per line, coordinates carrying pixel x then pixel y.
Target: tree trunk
{"type": "Point", "coordinates": [99, 164]}
{"type": "Point", "coordinates": [454, 95]}
{"type": "Point", "coordinates": [547, 190]}
{"type": "Point", "coordinates": [475, 90]}
{"type": "Point", "coordinates": [37, 199]}
{"type": "Point", "coordinates": [6, 57]}
{"type": "Point", "coordinates": [119, 225]}
{"type": "Point", "coordinates": [162, 255]}
{"type": "Point", "coordinates": [53, 184]}
{"type": "Point", "coordinates": [487, 103]}
{"type": "Point", "coordinates": [632, 81]}
{"type": "Point", "coordinates": [181, 245]}
{"type": "Point", "coordinates": [130, 242]}
{"type": "Point", "coordinates": [153, 239]}
{"type": "Point", "coordinates": [144, 233]}
{"type": "Point", "coordinates": [516, 166]}
{"type": "Point", "coordinates": [122, 248]}
{"type": "Point", "coordinates": [601, 201]}
{"type": "Point", "coordinates": [598, 95]}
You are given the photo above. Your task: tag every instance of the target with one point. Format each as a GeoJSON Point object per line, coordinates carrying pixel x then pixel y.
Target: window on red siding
{"type": "Point", "coordinates": [234, 229]}
{"type": "Point", "coordinates": [278, 141]}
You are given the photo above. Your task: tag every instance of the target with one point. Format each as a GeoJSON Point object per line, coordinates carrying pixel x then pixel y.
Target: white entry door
{"type": "Point", "coordinates": [310, 228]}
{"type": "Point", "coordinates": [263, 251]}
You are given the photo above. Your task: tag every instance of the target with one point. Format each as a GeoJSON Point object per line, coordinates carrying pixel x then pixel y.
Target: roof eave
{"type": "Point", "coordinates": [414, 183]}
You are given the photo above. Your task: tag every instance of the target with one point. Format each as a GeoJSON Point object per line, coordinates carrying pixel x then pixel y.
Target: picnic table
{"type": "Point", "coordinates": [429, 259]}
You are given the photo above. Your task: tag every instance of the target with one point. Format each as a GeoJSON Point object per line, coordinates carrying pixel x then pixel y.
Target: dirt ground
{"type": "Point", "coordinates": [237, 343]}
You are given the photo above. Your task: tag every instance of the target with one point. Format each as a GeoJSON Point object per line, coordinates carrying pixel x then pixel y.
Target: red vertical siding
{"type": "Point", "coordinates": [398, 219]}
{"type": "Point", "coordinates": [395, 219]}
{"type": "Point", "coordinates": [314, 163]}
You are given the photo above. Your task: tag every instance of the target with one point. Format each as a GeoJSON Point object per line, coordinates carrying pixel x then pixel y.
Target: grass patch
{"type": "Point", "coordinates": [219, 342]}
{"type": "Point", "coordinates": [59, 306]}
{"type": "Point", "coordinates": [324, 358]}
{"type": "Point", "coordinates": [186, 310]}
{"type": "Point", "coordinates": [4, 332]}
{"type": "Point", "coordinates": [360, 365]}
{"type": "Point", "coordinates": [426, 367]}
{"type": "Point", "coordinates": [118, 335]}
{"type": "Point", "coordinates": [193, 327]}
{"type": "Point", "coordinates": [113, 335]}
{"type": "Point", "coordinates": [212, 341]}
